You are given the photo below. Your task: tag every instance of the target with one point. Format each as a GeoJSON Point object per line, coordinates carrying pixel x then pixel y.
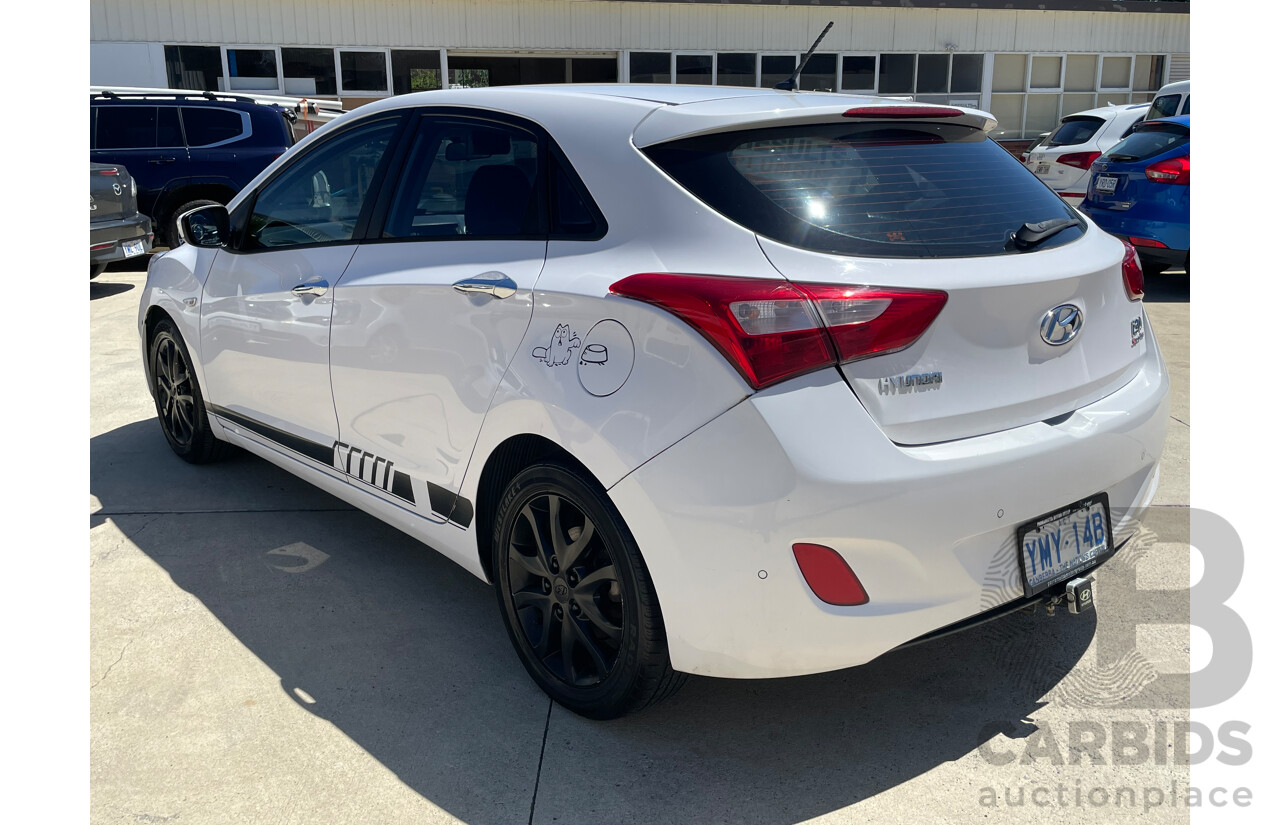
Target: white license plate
{"type": "Point", "coordinates": [132, 248]}
{"type": "Point", "coordinates": [1042, 169]}
{"type": "Point", "coordinates": [1105, 183]}
{"type": "Point", "coordinates": [1055, 546]}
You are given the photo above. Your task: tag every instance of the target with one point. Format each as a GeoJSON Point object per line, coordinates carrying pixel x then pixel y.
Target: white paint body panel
{"type": "Point", "coordinates": [1070, 181]}
{"type": "Point", "coordinates": [716, 482]}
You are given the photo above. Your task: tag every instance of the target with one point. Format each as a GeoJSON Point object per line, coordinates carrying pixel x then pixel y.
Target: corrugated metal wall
{"type": "Point", "coordinates": [1179, 67]}
{"type": "Point", "coordinates": [598, 24]}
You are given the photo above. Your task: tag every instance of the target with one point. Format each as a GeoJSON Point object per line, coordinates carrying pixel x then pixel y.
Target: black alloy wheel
{"type": "Point", "coordinates": [179, 404]}
{"type": "Point", "coordinates": [576, 596]}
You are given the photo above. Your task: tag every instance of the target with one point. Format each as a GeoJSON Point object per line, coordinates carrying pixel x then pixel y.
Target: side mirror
{"type": "Point", "coordinates": [207, 226]}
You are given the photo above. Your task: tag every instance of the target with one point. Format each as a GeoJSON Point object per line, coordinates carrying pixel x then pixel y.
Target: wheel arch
{"type": "Point", "coordinates": [503, 464]}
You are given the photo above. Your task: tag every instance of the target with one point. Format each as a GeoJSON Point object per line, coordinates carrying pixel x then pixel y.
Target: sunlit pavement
{"type": "Point", "coordinates": [261, 652]}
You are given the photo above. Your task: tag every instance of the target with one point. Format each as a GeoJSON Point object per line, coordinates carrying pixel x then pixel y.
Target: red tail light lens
{"type": "Point", "coordinates": [903, 112]}
{"type": "Point", "coordinates": [1131, 269]}
{"type": "Point", "coordinates": [1171, 170]}
{"type": "Point", "coordinates": [111, 171]}
{"type": "Point", "coordinates": [1080, 160]}
{"type": "Point", "coordinates": [829, 575]}
{"type": "Point", "coordinates": [772, 330]}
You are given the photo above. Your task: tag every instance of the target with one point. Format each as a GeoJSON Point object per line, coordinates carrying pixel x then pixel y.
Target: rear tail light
{"type": "Point", "coordinates": [111, 171]}
{"type": "Point", "coordinates": [1171, 170]}
{"type": "Point", "coordinates": [903, 112]}
{"type": "Point", "coordinates": [1080, 160]}
{"type": "Point", "coordinates": [1131, 269]}
{"type": "Point", "coordinates": [829, 575]}
{"type": "Point", "coordinates": [772, 330]}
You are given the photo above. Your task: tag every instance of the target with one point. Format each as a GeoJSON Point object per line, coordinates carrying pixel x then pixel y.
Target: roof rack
{"type": "Point", "coordinates": [316, 107]}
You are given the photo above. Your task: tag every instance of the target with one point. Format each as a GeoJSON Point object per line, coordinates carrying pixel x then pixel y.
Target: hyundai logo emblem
{"type": "Point", "coordinates": [1060, 324]}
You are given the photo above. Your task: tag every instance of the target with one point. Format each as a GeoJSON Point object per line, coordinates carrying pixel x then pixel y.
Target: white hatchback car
{"type": "Point", "coordinates": [734, 382]}
{"type": "Point", "coordinates": [1063, 159]}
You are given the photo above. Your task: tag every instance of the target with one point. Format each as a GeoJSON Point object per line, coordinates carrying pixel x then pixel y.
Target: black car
{"type": "Point", "coordinates": [116, 230]}
{"type": "Point", "coordinates": [186, 149]}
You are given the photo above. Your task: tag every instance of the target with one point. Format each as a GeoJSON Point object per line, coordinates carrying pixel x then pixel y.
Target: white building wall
{"type": "Point", "coordinates": [128, 64]}
{"type": "Point", "coordinates": [595, 25]}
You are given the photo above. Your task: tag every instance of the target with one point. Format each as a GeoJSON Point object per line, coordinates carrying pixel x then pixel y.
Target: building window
{"type": "Point", "coordinates": [736, 69]}
{"type": "Point", "coordinates": [363, 72]}
{"type": "Point", "coordinates": [1148, 72]}
{"type": "Point", "coordinates": [694, 68]}
{"type": "Point", "coordinates": [309, 72]}
{"type": "Point", "coordinates": [651, 67]}
{"type": "Point", "coordinates": [966, 74]}
{"type": "Point", "coordinates": [897, 74]}
{"type": "Point", "coordinates": [819, 73]}
{"type": "Point", "coordinates": [593, 69]}
{"type": "Point", "coordinates": [414, 70]}
{"type": "Point", "coordinates": [1046, 72]}
{"type": "Point", "coordinates": [775, 68]}
{"type": "Point", "coordinates": [858, 72]}
{"type": "Point", "coordinates": [1116, 73]}
{"type": "Point", "coordinates": [252, 70]}
{"type": "Point", "coordinates": [198, 68]}
{"type": "Point", "coordinates": [931, 73]}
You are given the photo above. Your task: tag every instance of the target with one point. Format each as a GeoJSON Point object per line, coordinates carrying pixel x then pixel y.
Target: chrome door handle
{"type": "Point", "coordinates": [315, 289]}
{"type": "Point", "coordinates": [492, 283]}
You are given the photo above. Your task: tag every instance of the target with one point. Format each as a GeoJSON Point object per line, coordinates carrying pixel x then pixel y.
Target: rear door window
{"type": "Point", "coordinates": [137, 127]}
{"type": "Point", "coordinates": [1149, 140]}
{"type": "Point", "coordinates": [207, 126]}
{"type": "Point", "coordinates": [873, 189]}
{"type": "Point", "coordinates": [1074, 131]}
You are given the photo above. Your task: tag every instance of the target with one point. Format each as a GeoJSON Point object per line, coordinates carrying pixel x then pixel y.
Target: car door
{"type": "Point", "coordinates": [268, 299]}
{"type": "Point", "coordinates": [145, 139]}
{"type": "Point", "coordinates": [431, 311]}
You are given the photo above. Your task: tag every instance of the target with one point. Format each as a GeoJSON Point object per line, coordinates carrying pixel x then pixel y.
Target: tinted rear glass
{"type": "Point", "coordinates": [1074, 131]}
{"type": "Point", "coordinates": [1149, 140]}
{"type": "Point", "coordinates": [207, 125]}
{"type": "Point", "coordinates": [875, 189]}
{"type": "Point", "coordinates": [1164, 106]}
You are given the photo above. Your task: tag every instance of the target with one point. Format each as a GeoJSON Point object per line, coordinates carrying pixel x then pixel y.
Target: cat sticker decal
{"type": "Point", "coordinates": [560, 351]}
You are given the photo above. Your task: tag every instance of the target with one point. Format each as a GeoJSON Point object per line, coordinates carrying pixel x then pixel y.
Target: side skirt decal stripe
{"type": "Point", "coordinates": [302, 446]}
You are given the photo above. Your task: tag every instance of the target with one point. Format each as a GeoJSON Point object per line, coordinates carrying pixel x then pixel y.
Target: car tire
{"type": "Point", "coordinates": [96, 269]}
{"type": "Point", "coordinates": [173, 237]}
{"type": "Point", "coordinates": [179, 402]}
{"type": "Point", "coordinates": [601, 603]}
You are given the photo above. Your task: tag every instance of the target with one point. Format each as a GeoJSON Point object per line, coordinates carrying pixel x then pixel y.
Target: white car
{"type": "Point", "coordinates": [733, 382]}
{"type": "Point", "coordinates": [1173, 99]}
{"type": "Point", "coordinates": [1063, 159]}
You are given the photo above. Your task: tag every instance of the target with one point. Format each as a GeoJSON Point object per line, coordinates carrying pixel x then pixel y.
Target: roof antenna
{"type": "Point", "coordinates": [789, 85]}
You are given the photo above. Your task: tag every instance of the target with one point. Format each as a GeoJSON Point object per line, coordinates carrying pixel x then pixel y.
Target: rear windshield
{"type": "Point", "coordinates": [1074, 131]}
{"type": "Point", "coordinates": [1149, 140]}
{"type": "Point", "coordinates": [873, 189]}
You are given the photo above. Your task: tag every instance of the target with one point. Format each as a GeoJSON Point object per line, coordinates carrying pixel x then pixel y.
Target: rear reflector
{"type": "Point", "coordinates": [903, 112]}
{"type": "Point", "coordinates": [829, 575]}
{"type": "Point", "coordinates": [771, 330]}
{"type": "Point", "coordinates": [1151, 242]}
{"type": "Point", "coordinates": [1131, 269]}
{"type": "Point", "coordinates": [1079, 160]}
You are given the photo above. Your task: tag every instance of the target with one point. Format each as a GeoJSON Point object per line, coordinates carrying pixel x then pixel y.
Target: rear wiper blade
{"type": "Point", "coordinates": [1122, 158]}
{"type": "Point", "coordinates": [1031, 234]}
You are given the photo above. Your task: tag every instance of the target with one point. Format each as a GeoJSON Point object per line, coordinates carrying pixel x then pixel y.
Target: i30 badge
{"type": "Point", "coordinates": [1060, 324]}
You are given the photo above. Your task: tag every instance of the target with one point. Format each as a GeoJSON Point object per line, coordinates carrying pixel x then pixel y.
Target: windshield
{"type": "Point", "coordinates": [873, 189]}
{"type": "Point", "coordinates": [1149, 140]}
{"type": "Point", "coordinates": [1074, 131]}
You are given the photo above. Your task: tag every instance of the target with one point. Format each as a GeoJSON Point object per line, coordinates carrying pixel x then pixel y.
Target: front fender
{"type": "Point", "coordinates": [175, 285]}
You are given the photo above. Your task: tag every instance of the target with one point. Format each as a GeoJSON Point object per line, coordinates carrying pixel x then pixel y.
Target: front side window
{"type": "Point", "coordinates": [469, 179]}
{"type": "Point", "coordinates": [876, 189]}
{"type": "Point", "coordinates": [1164, 106]}
{"type": "Point", "coordinates": [318, 198]}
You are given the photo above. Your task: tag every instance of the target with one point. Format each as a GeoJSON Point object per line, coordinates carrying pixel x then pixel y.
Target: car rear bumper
{"type": "Point", "coordinates": [930, 530]}
{"type": "Point", "coordinates": [106, 238]}
{"type": "Point", "coordinates": [1174, 234]}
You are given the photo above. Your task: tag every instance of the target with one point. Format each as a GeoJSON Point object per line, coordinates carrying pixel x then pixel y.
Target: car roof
{"type": "Point", "coordinates": [179, 98]}
{"type": "Point", "coordinates": [1109, 112]}
{"type": "Point", "coordinates": [1181, 87]}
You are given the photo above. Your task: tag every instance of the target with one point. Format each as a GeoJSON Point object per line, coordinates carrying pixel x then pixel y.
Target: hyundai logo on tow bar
{"type": "Point", "coordinates": [1060, 324]}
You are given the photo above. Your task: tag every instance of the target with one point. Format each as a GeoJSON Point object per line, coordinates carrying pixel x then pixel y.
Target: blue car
{"type": "Point", "coordinates": [1140, 190]}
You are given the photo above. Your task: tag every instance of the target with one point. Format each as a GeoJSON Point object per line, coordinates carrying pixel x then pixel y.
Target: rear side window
{"type": "Point", "coordinates": [206, 125]}
{"type": "Point", "coordinates": [1149, 140]}
{"type": "Point", "coordinates": [1186, 105]}
{"type": "Point", "coordinates": [1164, 106]}
{"type": "Point", "coordinates": [874, 189]}
{"type": "Point", "coordinates": [1074, 131]}
{"type": "Point", "coordinates": [137, 127]}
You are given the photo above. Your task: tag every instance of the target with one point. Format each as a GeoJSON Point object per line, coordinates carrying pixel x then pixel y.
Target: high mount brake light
{"type": "Point", "coordinates": [903, 112]}
{"type": "Point", "coordinates": [772, 330]}
{"type": "Point", "coordinates": [1131, 269]}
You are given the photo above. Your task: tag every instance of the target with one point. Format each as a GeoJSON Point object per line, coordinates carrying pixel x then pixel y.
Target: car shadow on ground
{"type": "Point", "coordinates": [404, 652]}
{"type": "Point", "coordinates": [1172, 287]}
{"type": "Point", "coordinates": [104, 289]}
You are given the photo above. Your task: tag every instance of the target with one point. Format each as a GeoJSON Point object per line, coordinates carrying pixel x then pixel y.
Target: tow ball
{"type": "Point", "coordinates": [1078, 595]}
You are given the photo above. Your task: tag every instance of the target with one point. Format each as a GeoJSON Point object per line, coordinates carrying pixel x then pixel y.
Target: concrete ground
{"type": "Point", "coordinates": [261, 652]}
